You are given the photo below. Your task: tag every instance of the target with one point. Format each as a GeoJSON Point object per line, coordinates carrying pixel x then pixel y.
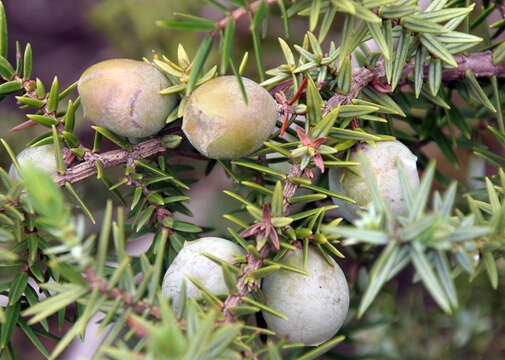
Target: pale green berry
{"type": "Point", "coordinates": [123, 96]}
{"type": "Point", "coordinates": [219, 123]}
{"type": "Point", "coordinates": [190, 261]}
{"type": "Point", "coordinates": [316, 305]}
{"type": "Point", "coordinates": [43, 157]}
{"type": "Point", "coordinates": [382, 159]}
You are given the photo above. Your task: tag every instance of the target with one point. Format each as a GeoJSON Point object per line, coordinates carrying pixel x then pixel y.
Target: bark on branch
{"type": "Point", "coordinates": [481, 64]}
{"type": "Point", "coordinates": [243, 285]}
{"type": "Point", "coordinates": [238, 13]}
{"type": "Point", "coordinates": [103, 287]}
{"type": "Point", "coordinates": [109, 159]}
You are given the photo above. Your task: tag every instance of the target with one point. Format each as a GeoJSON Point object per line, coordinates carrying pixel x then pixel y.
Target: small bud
{"type": "Point", "coordinates": [171, 141]}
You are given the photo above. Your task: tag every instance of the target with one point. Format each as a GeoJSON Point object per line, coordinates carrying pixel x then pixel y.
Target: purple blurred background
{"type": "Point", "coordinates": [63, 42]}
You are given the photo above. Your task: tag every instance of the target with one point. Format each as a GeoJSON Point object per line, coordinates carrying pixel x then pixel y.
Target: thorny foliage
{"type": "Point", "coordinates": [423, 61]}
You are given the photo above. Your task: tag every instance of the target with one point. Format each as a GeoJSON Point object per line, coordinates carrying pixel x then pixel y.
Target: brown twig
{"type": "Point", "coordinates": [243, 285]}
{"type": "Point", "coordinates": [238, 13]}
{"type": "Point", "coordinates": [109, 159]}
{"type": "Point", "coordinates": [290, 187]}
{"type": "Point", "coordinates": [96, 283]}
{"type": "Point", "coordinates": [481, 64]}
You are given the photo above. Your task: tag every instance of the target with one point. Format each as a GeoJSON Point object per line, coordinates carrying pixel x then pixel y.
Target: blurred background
{"type": "Point", "coordinates": [67, 36]}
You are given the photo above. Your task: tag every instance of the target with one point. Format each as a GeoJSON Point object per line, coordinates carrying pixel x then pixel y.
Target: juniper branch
{"type": "Point", "coordinates": [238, 13]}
{"type": "Point", "coordinates": [290, 187]}
{"type": "Point", "coordinates": [254, 263]}
{"type": "Point", "coordinates": [31, 92]}
{"type": "Point", "coordinates": [243, 286]}
{"type": "Point", "coordinates": [481, 64]}
{"type": "Point", "coordinates": [109, 159]}
{"type": "Point", "coordinates": [141, 307]}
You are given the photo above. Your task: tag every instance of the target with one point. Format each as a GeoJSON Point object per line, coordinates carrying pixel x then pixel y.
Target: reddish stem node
{"type": "Point", "coordinates": [299, 92]}
{"type": "Point", "coordinates": [291, 102]}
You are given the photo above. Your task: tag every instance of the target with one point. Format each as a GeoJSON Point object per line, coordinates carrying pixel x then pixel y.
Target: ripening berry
{"type": "Point", "coordinates": [43, 157]}
{"type": "Point", "coordinates": [382, 159]}
{"type": "Point", "coordinates": [123, 96]}
{"type": "Point", "coordinates": [220, 125]}
{"type": "Point", "coordinates": [316, 305]}
{"type": "Point", "coordinates": [189, 261]}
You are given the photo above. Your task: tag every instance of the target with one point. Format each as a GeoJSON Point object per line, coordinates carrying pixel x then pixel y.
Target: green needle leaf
{"type": "Point", "coordinates": [27, 63]}
{"type": "Point", "coordinates": [3, 34]}
{"type": "Point", "coordinates": [57, 151]}
{"type": "Point", "coordinates": [378, 36]}
{"type": "Point", "coordinates": [499, 53]}
{"type": "Point", "coordinates": [229, 34]}
{"type": "Point", "coordinates": [435, 47]}
{"type": "Point", "coordinates": [328, 19]}
{"type": "Point", "coordinates": [474, 87]}
{"type": "Point", "coordinates": [425, 271]}
{"type": "Point", "coordinates": [365, 14]}
{"type": "Point", "coordinates": [258, 18]}
{"type": "Point", "coordinates": [378, 276]}
{"type": "Point", "coordinates": [344, 77]}
{"type": "Point", "coordinates": [54, 96]}
{"type": "Point", "coordinates": [124, 144]}
{"type": "Point", "coordinates": [53, 304]}
{"type": "Point", "coordinates": [435, 76]}
{"type": "Point", "coordinates": [491, 269]}
{"type": "Point", "coordinates": [285, 17]}
{"type": "Point", "coordinates": [321, 349]}
{"type": "Point", "coordinates": [17, 287]}
{"type": "Point", "coordinates": [423, 26]}
{"type": "Point", "coordinates": [188, 25]}
{"type": "Point", "coordinates": [264, 307]}
{"type": "Point", "coordinates": [46, 121]}
{"type": "Point", "coordinates": [277, 200]}
{"type": "Point", "coordinates": [6, 69]}
{"type": "Point", "coordinates": [443, 270]}
{"type": "Point", "coordinates": [400, 57]}
{"type": "Point", "coordinates": [10, 87]}
{"type": "Point", "coordinates": [12, 315]}
{"type": "Point", "coordinates": [199, 61]}
{"type": "Point", "coordinates": [314, 102]}
{"type": "Point", "coordinates": [418, 70]}
{"type": "Point", "coordinates": [288, 54]}
{"type": "Point", "coordinates": [76, 196]}
{"type": "Point", "coordinates": [238, 76]}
